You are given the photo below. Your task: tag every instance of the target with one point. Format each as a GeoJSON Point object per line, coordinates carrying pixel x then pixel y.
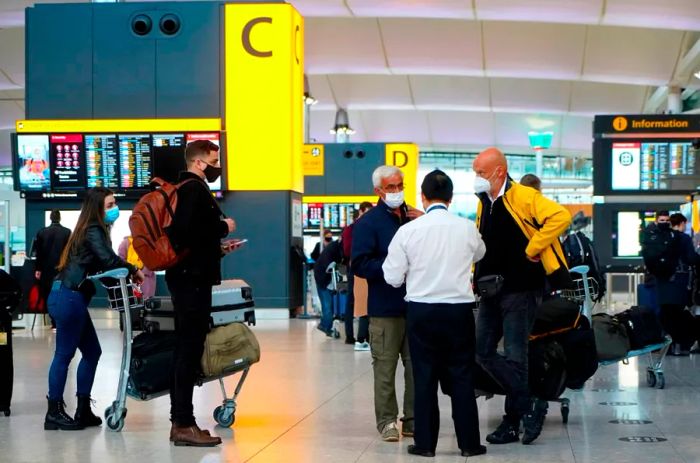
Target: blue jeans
{"type": "Point", "coordinates": [509, 316]}
{"type": "Point", "coordinates": [74, 330]}
{"type": "Point", "coordinates": [326, 297]}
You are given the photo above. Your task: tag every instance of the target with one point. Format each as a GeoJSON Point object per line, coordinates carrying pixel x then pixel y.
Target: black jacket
{"type": "Point", "coordinates": [48, 247]}
{"type": "Point", "coordinates": [370, 245]}
{"type": "Point", "coordinates": [333, 252]}
{"type": "Point", "coordinates": [197, 229]}
{"type": "Point", "coordinates": [93, 255]}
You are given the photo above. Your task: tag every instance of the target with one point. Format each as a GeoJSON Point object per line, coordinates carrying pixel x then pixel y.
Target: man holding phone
{"type": "Point", "coordinates": [198, 228]}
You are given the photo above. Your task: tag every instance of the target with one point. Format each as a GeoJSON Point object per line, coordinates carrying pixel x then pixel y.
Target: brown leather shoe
{"type": "Point", "coordinates": [172, 429]}
{"type": "Point", "coordinates": [192, 436]}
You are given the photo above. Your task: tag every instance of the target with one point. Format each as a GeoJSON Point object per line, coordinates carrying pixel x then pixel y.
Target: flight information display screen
{"type": "Point", "coordinates": [333, 216]}
{"type": "Point", "coordinates": [119, 161]}
{"type": "Point", "coordinates": [650, 165]}
{"type": "Point", "coordinates": [134, 161]}
{"type": "Point", "coordinates": [101, 155]}
{"type": "Point", "coordinates": [67, 160]}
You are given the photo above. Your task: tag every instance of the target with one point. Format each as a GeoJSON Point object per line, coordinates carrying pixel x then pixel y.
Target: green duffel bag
{"type": "Point", "coordinates": [611, 339]}
{"type": "Point", "coordinates": [228, 347]}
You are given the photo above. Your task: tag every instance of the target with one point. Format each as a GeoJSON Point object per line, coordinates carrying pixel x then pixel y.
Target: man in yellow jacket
{"type": "Point", "coordinates": [521, 229]}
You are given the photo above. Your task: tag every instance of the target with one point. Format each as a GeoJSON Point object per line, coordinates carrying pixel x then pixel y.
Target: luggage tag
{"type": "Point", "coordinates": [3, 339]}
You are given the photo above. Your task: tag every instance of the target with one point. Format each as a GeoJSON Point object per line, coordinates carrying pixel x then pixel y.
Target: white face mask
{"type": "Point", "coordinates": [394, 200]}
{"type": "Point", "coordinates": [481, 185]}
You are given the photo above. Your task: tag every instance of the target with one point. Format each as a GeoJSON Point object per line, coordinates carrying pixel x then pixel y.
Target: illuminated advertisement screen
{"type": "Point", "coordinates": [67, 159]}
{"type": "Point", "coordinates": [32, 159]}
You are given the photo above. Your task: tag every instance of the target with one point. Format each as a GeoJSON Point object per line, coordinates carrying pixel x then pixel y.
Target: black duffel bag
{"type": "Point", "coordinates": [643, 327]}
{"type": "Point", "coordinates": [546, 369]}
{"type": "Point", "coordinates": [581, 354]}
{"type": "Point", "coordinates": [611, 339]}
{"type": "Point", "coordinates": [553, 316]}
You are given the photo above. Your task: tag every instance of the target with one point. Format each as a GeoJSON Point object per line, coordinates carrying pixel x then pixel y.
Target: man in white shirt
{"type": "Point", "coordinates": [434, 255]}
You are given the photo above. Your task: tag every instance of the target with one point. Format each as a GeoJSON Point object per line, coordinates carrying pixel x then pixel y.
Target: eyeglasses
{"type": "Point", "coordinates": [393, 188]}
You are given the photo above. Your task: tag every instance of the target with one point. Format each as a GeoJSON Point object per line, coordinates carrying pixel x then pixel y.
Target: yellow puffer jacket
{"type": "Point", "coordinates": [541, 220]}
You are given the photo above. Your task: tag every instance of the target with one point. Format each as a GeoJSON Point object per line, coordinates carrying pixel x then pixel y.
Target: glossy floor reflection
{"type": "Point", "coordinates": [310, 400]}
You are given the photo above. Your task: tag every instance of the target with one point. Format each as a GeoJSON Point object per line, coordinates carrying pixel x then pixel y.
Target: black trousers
{"type": "Point", "coordinates": [192, 304]}
{"type": "Point", "coordinates": [680, 324]}
{"type": "Point", "coordinates": [441, 338]}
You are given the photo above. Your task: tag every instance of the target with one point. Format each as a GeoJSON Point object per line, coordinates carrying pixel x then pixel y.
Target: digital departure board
{"type": "Point", "coordinates": [649, 166]}
{"type": "Point", "coordinates": [123, 162]}
{"type": "Point", "coordinates": [134, 160]}
{"type": "Point", "coordinates": [101, 156]}
{"type": "Point", "coordinates": [67, 160]}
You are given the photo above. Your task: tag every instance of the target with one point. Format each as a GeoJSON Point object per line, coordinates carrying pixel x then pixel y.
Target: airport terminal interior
{"type": "Point", "coordinates": [303, 101]}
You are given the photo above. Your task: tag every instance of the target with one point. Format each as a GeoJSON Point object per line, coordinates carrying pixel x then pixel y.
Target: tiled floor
{"type": "Point", "coordinates": [310, 400]}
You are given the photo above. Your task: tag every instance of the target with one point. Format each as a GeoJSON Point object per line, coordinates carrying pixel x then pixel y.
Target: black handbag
{"type": "Point", "coordinates": [489, 286]}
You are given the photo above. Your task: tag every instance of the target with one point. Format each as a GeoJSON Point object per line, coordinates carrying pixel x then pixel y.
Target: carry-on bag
{"type": "Point", "coordinates": [227, 347]}
{"type": "Point", "coordinates": [581, 354]}
{"type": "Point", "coordinates": [553, 316]}
{"type": "Point", "coordinates": [643, 327]}
{"type": "Point", "coordinates": [151, 366]}
{"type": "Point", "coordinates": [546, 369]}
{"type": "Point", "coordinates": [611, 338]}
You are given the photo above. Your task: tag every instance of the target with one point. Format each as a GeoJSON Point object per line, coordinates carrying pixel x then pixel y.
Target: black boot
{"type": "Point", "coordinates": [57, 418]}
{"type": "Point", "coordinates": [84, 415]}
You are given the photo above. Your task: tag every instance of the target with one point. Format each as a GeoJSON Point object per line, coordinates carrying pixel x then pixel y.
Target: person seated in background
{"type": "Point", "coordinates": [531, 180]}
{"type": "Point", "coordinates": [128, 253]}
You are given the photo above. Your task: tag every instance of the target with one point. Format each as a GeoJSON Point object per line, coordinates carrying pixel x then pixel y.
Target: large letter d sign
{"type": "Point", "coordinates": [400, 159]}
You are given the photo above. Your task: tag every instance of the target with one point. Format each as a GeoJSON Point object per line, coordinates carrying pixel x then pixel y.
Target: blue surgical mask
{"type": "Point", "coordinates": [111, 215]}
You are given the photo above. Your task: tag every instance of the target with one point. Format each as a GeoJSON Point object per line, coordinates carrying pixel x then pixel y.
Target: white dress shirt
{"type": "Point", "coordinates": [434, 254]}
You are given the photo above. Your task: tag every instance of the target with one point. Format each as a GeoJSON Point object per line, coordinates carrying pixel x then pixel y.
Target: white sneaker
{"type": "Point", "coordinates": [362, 346]}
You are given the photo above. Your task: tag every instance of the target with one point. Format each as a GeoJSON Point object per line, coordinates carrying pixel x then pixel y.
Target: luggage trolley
{"type": "Point", "coordinates": [585, 290]}
{"type": "Point", "coordinates": [121, 296]}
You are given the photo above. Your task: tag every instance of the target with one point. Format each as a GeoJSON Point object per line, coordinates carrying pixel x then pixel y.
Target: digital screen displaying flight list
{"type": "Point", "coordinates": [650, 165]}
{"type": "Point", "coordinates": [77, 161]}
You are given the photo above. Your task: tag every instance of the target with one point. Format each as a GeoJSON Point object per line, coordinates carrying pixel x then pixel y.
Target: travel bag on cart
{"type": "Point", "coordinates": [581, 354]}
{"type": "Point", "coordinates": [643, 327]}
{"type": "Point", "coordinates": [228, 346]}
{"type": "Point", "coordinates": [232, 301]}
{"type": "Point", "coordinates": [152, 357]}
{"type": "Point", "coordinates": [611, 339]}
{"type": "Point", "coordinates": [546, 369]}
{"type": "Point", "coordinates": [555, 315]}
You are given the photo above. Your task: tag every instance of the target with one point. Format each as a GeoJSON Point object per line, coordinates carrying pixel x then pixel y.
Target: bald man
{"type": "Point", "coordinates": [520, 228]}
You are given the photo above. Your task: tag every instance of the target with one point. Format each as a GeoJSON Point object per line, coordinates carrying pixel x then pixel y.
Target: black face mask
{"type": "Point", "coordinates": [212, 173]}
{"type": "Point", "coordinates": [328, 239]}
{"type": "Point", "coordinates": [664, 225]}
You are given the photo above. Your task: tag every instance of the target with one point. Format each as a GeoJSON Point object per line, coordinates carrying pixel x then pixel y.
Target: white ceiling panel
{"type": "Point", "coordinates": [577, 134]}
{"type": "Point", "coordinates": [631, 55]}
{"type": "Point", "coordinates": [439, 46]}
{"type": "Point", "coordinates": [461, 128]}
{"type": "Point", "coordinates": [452, 93]}
{"type": "Point", "coordinates": [414, 8]}
{"type": "Point", "coordinates": [546, 51]}
{"type": "Point", "coordinates": [512, 129]}
{"type": "Point", "coordinates": [309, 8]}
{"type": "Point", "coordinates": [371, 92]}
{"type": "Point", "coordinates": [522, 95]}
{"type": "Point", "coordinates": [409, 126]}
{"type": "Point", "coordinates": [343, 46]}
{"type": "Point", "coordinates": [555, 11]}
{"type": "Point", "coordinates": [666, 14]}
{"type": "Point", "coordinates": [592, 98]}
{"type": "Point", "coordinates": [321, 90]}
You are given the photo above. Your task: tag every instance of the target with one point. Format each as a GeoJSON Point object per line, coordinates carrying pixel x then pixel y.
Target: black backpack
{"type": "Point", "coordinates": [546, 369]}
{"type": "Point", "coordinates": [659, 251]}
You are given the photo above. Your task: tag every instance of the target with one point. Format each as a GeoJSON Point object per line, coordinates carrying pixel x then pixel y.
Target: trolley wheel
{"type": "Point", "coordinates": [565, 413]}
{"type": "Point", "coordinates": [224, 416]}
{"type": "Point", "coordinates": [651, 378]}
{"type": "Point", "coordinates": [115, 423]}
{"type": "Point", "coordinates": [660, 380]}
{"type": "Point", "coordinates": [7, 412]}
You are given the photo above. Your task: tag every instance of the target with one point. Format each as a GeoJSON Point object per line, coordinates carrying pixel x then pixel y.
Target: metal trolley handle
{"type": "Point", "coordinates": [117, 273]}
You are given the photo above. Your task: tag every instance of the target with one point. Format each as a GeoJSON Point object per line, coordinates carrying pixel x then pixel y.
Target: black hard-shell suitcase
{"type": "Point", "coordinates": [152, 356]}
